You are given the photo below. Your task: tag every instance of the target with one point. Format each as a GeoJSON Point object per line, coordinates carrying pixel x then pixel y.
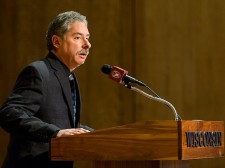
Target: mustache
{"type": "Point", "coordinates": [84, 51]}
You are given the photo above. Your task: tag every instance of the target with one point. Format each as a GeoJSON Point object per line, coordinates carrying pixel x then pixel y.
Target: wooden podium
{"type": "Point", "coordinates": [158, 144]}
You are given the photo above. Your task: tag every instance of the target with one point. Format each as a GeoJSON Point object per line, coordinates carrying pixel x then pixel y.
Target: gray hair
{"type": "Point", "coordinates": [61, 24]}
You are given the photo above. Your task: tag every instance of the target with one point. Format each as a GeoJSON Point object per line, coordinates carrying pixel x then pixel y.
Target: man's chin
{"type": "Point", "coordinates": [81, 63]}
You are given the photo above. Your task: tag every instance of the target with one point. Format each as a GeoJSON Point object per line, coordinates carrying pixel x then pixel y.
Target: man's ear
{"type": "Point", "coordinates": [56, 41]}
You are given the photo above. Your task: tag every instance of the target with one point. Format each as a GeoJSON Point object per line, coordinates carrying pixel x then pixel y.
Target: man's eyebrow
{"type": "Point", "coordinates": [81, 34]}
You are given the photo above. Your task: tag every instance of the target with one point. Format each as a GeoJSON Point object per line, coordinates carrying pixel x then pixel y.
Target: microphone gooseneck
{"type": "Point", "coordinates": [177, 117]}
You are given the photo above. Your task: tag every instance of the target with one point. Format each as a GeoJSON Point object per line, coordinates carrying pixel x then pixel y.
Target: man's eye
{"type": "Point", "coordinates": [76, 37]}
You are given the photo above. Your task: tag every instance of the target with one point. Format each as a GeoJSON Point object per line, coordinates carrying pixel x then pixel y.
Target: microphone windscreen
{"type": "Point", "coordinates": [106, 68]}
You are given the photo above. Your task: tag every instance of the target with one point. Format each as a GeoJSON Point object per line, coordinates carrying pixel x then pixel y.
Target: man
{"type": "Point", "coordinates": [45, 102]}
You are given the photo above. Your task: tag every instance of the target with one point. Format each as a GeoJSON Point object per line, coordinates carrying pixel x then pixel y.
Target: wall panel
{"type": "Point", "coordinates": [180, 54]}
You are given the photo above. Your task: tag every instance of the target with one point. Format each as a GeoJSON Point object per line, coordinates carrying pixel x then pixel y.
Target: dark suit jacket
{"type": "Point", "coordinates": [39, 105]}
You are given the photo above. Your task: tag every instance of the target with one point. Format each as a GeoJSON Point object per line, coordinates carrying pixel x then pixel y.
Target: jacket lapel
{"type": "Point", "coordinates": [63, 79]}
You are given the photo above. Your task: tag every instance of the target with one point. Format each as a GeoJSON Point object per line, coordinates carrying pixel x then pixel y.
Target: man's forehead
{"type": "Point", "coordinates": [79, 28]}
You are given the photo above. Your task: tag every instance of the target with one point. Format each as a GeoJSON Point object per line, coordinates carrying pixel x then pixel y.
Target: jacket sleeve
{"type": "Point", "coordinates": [17, 115]}
{"type": "Point", "coordinates": [87, 127]}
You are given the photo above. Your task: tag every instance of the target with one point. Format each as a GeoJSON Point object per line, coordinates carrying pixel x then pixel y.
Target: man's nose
{"type": "Point", "coordinates": [86, 44]}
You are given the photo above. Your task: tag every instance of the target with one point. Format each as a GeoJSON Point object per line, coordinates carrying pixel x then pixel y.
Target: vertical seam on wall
{"type": "Point", "coordinates": [133, 19]}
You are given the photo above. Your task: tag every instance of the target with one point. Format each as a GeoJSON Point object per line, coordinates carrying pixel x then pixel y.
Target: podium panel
{"type": "Point", "coordinates": [201, 139]}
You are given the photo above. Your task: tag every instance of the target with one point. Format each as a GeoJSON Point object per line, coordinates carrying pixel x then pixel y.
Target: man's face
{"type": "Point", "coordinates": [74, 48]}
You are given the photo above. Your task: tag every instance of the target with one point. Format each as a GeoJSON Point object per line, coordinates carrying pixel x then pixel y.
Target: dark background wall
{"type": "Point", "coordinates": [174, 46]}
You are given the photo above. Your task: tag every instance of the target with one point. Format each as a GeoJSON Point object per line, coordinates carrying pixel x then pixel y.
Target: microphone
{"type": "Point", "coordinates": [120, 75]}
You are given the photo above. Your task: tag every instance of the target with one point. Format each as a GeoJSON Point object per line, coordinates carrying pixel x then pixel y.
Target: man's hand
{"type": "Point", "coordinates": [72, 131]}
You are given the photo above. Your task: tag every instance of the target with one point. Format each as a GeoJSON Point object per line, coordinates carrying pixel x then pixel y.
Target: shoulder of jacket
{"type": "Point", "coordinates": [41, 66]}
